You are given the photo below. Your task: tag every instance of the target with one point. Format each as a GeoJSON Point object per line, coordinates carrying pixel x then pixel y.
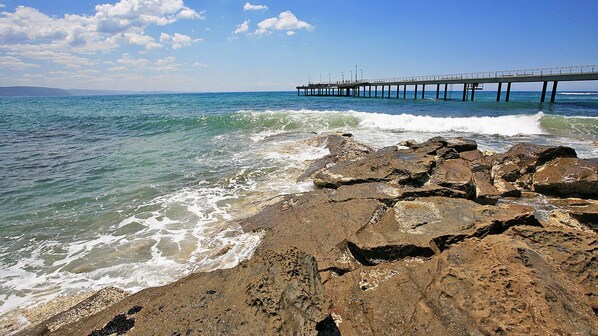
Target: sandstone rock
{"type": "Point", "coordinates": [430, 225]}
{"type": "Point", "coordinates": [388, 193]}
{"type": "Point", "coordinates": [315, 224]}
{"type": "Point", "coordinates": [569, 177]}
{"type": "Point", "coordinates": [485, 191]}
{"type": "Point", "coordinates": [523, 159]}
{"type": "Point", "coordinates": [272, 294]}
{"type": "Point", "coordinates": [578, 213]}
{"type": "Point", "coordinates": [341, 147]}
{"type": "Point", "coordinates": [462, 144]}
{"type": "Point", "coordinates": [497, 285]}
{"type": "Point", "coordinates": [454, 174]}
{"type": "Point", "coordinates": [388, 165]}
{"type": "Point", "coordinates": [571, 251]}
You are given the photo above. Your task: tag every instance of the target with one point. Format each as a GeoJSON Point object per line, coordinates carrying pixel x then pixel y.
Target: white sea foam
{"type": "Point", "coordinates": [507, 125]}
{"type": "Point", "coordinates": [502, 125]}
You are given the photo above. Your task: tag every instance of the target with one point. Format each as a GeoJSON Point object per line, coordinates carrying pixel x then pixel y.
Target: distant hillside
{"type": "Point", "coordinates": [31, 91]}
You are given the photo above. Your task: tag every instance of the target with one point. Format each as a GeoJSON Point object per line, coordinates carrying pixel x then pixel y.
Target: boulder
{"type": "Point", "coordinates": [274, 293]}
{"type": "Point", "coordinates": [454, 174]}
{"type": "Point", "coordinates": [316, 224]}
{"type": "Point", "coordinates": [423, 227]}
{"type": "Point", "coordinates": [341, 147]}
{"type": "Point", "coordinates": [387, 165]}
{"type": "Point", "coordinates": [577, 213]}
{"type": "Point", "coordinates": [521, 160]}
{"type": "Point", "coordinates": [568, 177]}
{"type": "Point", "coordinates": [494, 286]}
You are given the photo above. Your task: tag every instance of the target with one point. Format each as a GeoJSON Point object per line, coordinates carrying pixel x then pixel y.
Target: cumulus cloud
{"type": "Point", "coordinates": [249, 7]}
{"type": "Point", "coordinates": [2, 5]}
{"type": "Point", "coordinates": [242, 28]}
{"type": "Point", "coordinates": [177, 40]}
{"type": "Point", "coordinates": [285, 21]}
{"type": "Point", "coordinates": [108, 28]}
{"type": "Point", "coordinates": [291, 33]}
{"type": "Point", "coordinates": [10, 62]}
{"type": "Point", "coordinates": [129, 62]}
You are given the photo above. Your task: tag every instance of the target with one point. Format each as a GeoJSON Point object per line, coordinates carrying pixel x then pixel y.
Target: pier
{"type": "Point", "coordinates": [471, 83]}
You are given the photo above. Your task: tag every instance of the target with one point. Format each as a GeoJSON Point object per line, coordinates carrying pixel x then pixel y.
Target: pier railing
{"type": "Point", "coordinates": [567, 70]}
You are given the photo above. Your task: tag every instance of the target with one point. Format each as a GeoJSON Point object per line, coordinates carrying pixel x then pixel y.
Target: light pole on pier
{"type": "Point", "coordinates": [355, 73]}
{"type": "Point", "coordinates": [343, 76]}
{"type": "Point", "coordinates": [351, 71]}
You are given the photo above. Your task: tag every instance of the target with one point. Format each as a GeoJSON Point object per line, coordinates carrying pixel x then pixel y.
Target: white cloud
{"type": "Point", "coordinates": [128, 61]}
{"type": "Point", "coordinates": [59, 39]}
{"type": "Point", "coordinates": [242, 28]}
{"type": "Point", "coordinates": [14, 63]}
{"type": "Point", "coordinates": [127, 14]}
{"type": "Point", "coordinates": [249, 7]}
{"type": "Point", "coordinates": [199, 65]}
{"type": "Point", "coordinates": [164, 37]}
{"type": "Point", "coordinates": [291, 33]}
{"type": "Point", "coordinates": [2, 5]}
{"type": "Point", "coordinates": [285, 21]}
{"type": "Point", "coordinates": [41, 52]}
{"type": "Point", "coordinates": [177, 40]}
{"type": "Point", "coordinates": [180, 40]}
{"type": "Point", "coordinates": [144, 40]}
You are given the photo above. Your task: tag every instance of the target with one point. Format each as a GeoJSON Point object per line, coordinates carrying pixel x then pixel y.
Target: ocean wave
{"type": "Point", "coordinates": [315, 120]}
{"type": "Point", "coordinates": [579, 93]}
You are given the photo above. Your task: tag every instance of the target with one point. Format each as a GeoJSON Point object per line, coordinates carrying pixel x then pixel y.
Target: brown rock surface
{"type": "Point", "coordinates": [386, 165]}
{"type": "Point", "coordinates": [272, 294]}
{"type": "Point", "coordinates": [573, 252]}
{"type": "Point", "coordinates": [494, 286]}
{"type": "Point", "coordinates": [425, 226]}
{"type": "Point", "coordinates": [341, 147]}
{"type": "Point", "coordinates": [568, 177]}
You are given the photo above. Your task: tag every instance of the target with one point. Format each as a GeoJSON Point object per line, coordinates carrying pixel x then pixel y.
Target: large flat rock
{"type": "Point", "coordinates": [494, 286]}
{"type": "Point", "coordinates": [573, 252]}
{"type": "Point", "coordinates": [430, 225]}
{"type": "Point", "coordinates": [568, 177]}
{"type": "Point", "coordinates": [272, 294]}
{"type": "Point", "coordinates": [385, 165]}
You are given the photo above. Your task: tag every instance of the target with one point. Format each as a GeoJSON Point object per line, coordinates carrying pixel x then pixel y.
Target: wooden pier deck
{"type": "Point", "coordinates": [471, 82]}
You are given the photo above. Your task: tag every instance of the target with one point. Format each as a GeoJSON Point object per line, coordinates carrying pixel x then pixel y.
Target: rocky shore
{"type": "Point", "coordinates": [433, 238]}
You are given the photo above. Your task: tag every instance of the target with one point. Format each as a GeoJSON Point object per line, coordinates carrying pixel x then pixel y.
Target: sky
{"type": "Point", "coordinates": [229, 45]}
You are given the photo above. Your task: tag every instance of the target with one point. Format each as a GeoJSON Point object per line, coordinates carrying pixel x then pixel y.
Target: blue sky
{"type": "Point", "coordinates": [227, 45]}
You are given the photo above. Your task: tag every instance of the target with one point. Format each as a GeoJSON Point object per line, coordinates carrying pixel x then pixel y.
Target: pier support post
{"type": "Point", "coordinates": [415, 92]}
{"type": "Point", "coordinates": [464, 91]}
{"type": "Point", "coordinates": [358, 89]}
{"type": "Point", "coordinates": [543, 96]}
{"type": "Point", "coordinates": [445, 88]}
{"type": "Point", "coordinates": [389, 91]}
{"type": "Point", "coordinates": [553, 94]}
{"type": "Point", "coordinates": [508, 92]}
{"type": "Point", "coordinates": [397, 91]}
{"type": "Point", "coordinates": [437, 91]}
{"type": "Point", "coordinates": [382, 91]}
{"type": "Point", "coordinates": [370, 91]}
{"type": "Point", "coordinates": [423, 90]}
{"type": "Point", "coordinates": [404, 91]}
{"type": "Point", "coordinates": [375, 91]}
{"type": "Point", "coordinates": [472, 91]}
{"type": "Point", "coordinates": [498, 91]}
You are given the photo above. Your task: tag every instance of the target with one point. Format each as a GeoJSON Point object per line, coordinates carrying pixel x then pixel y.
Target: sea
{"type": "Point", "coordinates": [136, 191]}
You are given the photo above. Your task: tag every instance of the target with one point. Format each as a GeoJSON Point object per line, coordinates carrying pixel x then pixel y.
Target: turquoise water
{"type": "Point", "coordinates": [137, 191]}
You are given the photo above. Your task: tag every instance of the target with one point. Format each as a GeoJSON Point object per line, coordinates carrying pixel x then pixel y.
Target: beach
{"type": "Point", "coordinates": [140, 191]}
